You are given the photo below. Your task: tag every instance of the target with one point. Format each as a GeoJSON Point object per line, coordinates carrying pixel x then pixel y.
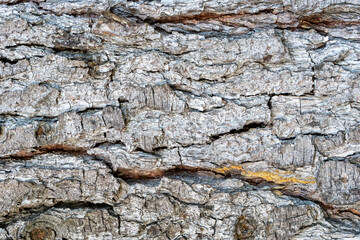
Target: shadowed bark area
{"type": "Point", "coordinates": [175, 119]}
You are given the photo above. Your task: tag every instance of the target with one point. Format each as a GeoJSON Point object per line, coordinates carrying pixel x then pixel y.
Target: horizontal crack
{"type": "Point", "coordinates": [245, 128]}
{"type": "Point", "coordinates": [136, 174]}
{"type": "Point", "coordinates": [7, 60]}
{"type": "Point", "coordinates": [254, 178]}
{"type": "Point", "coordinates": [55, 148]}
{"type": "Point", "coordinates": [315, 21]}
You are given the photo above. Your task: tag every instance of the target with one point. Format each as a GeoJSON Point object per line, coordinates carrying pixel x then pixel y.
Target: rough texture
{"type": "Point", "coordinates": [174, 119]}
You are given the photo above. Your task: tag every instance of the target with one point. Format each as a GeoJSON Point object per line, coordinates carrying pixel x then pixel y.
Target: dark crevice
{"type": "Point", "coordinates": [182, 89]}
{"type": "Point", "coordinates": [159, 149]}
{"type": "Point", "coordinates": [122, 100]}
{"type": "Point", "coordinates": [108, 164]}
{"type": "Point", "coordinates": [82, 205]}
{"type": "Point", "coordinates": [295, 194]}
{"type": "Point", "coordinates": [351, 211]}
{"type": "Point", "coordinates": [199, 205]}
{"type": "Point", "coordinates": [315, 134]}
{"type": "Point", "coordinates": [85, 55]}
{"type": "Point", "coordinates": [31, 45]}
{"type": "Point", "coordinates": [58, 49]}
{"type": "Point", "coordinates": [108, 143]}
{"type": "Point", "coordinates": [351, 158]}
{"type": "Point", "coordinates": [6, 60]}
{"type": "Point", "coordinates": [270, 106]}
{"type": "Point", "coordinates": [131, 175]}
{"type": "Point", "coordinates": [152, 153]}
{"type": "Point", "coordinates": [189, 109]}
{"type": "Point", "coordinates": [93, 109]}
{"type": "Point", "coordinates": [245, 128]}
{"type": "Point", "coordinates": [206, 34]}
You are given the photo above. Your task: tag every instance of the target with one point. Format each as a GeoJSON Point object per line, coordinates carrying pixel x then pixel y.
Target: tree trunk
{"type": "Point", "coordinates": [171, 119]}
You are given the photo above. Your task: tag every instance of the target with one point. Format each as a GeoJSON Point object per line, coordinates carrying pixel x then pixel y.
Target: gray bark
{"type": "Point", "coordinates": [175, 119]}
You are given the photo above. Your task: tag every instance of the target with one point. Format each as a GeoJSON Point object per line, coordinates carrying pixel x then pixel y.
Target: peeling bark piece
{"type": "Point", "coordinates": [113, 117]}
{"type": "Point", "coordinates": [83, 130]}
{"type": "Point", "coordinates": [8, 69]}
{"type": "Point", "coordinates": [309, 7]}
{"type": "Point", "coordinates": [197, 128]}
{"type": "Point", "coordinates": [192, 128]}
{"type": "Point", "coordinates": [311, 115]}
{"type": "Point", "coordinates": [137, 164]}
{"type": "Point", "coordinates": [67, 223]}
{"type": "Point", "coordinates": [299, 153]}
{"type": "Point", "coordinates": [39, 94]}
{"type": "Point", "coordinates": [70, 131]}
{"type": "Point", "coordinates": [340, 145]}
{"type": "Point", "coordinates": [293, 218]}
{"type": "Point", "coordinates": [195, 193]}
{"type": "Point", "coordinates": [256, 145]}
{"type": "Point", "coordinates": [201, 103]}
{"type": "Point", "coordinates": [50, 68]}
{"type": "Point", "coordinates": [256, 82]}
{"type": "Point", "coordinates": [38, 100]}
{"type": "Point", "coordinates": [82, 96]}
{"type": "Point", "coordinates": [18, 139]}
{"type": "Point", "coordinates": [50, 179]}
{"type": "Point", "coordinates": [350, 32]}
{"type": "Point", "coordinates": [338, 182]}
{"type": "Point", "coordinates": [27, 24]}
{"type": "Point", "coordinates": [339, 80]}
{"type": "Point", "coordinates": [158, 97]}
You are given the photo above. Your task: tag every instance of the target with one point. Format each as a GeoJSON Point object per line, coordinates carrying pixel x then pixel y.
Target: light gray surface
{"type": "Point", "coordinates": [175, 119]}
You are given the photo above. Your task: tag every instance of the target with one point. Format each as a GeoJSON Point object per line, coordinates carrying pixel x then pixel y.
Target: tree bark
{"type": "Point", "coordinates": [170, 119]}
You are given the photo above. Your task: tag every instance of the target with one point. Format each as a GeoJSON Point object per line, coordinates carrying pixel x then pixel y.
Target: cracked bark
{"type": "Point", "coordinates": [179, 120]}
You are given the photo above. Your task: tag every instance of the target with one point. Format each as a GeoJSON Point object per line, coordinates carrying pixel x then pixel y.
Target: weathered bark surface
{"type": "Point", "coordinates": [171, 119]}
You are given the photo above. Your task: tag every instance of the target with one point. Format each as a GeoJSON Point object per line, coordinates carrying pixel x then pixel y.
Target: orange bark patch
{"type": "Point", "coordinates": [276, 177]}
{"type": "Point", "coordinates": [48, 149]}
{"type": "Point", "coordinates": [355, 211]}
{"type": "Point", "coordinates": [127, 173]}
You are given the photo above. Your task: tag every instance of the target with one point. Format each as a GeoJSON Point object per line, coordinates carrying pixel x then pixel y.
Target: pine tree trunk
{"type": "Point", "coordinates": [172, 119]}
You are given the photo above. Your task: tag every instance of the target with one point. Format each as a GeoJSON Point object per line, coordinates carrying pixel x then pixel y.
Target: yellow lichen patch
{"type": "Point", "coordinates": [226, 169]}
{"type": "Point", "coordinates": [283, 172]}
{"type": "Point", "coordinates": [277, 176]}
